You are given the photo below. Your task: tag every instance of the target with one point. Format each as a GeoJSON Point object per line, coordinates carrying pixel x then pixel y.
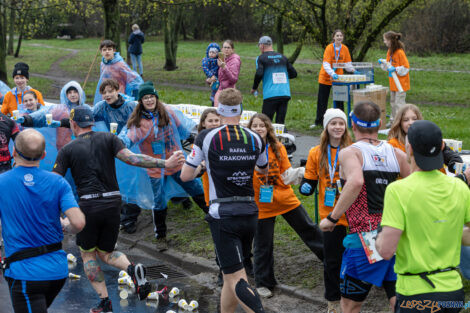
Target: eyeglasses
{"type": "Point", "coordinates": [147, 98]}
{"type": "Point", "coordinates": [228, 47]}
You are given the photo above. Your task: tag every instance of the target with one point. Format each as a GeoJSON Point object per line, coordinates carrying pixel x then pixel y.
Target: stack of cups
{"type": "Point", "coordinates": [16, 114]}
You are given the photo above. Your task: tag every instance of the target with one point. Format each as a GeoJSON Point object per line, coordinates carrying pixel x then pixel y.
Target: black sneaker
{"type": "Point", "coordinates": [103, 307]}
{"type": "Point", "coordinates": [142, 286]}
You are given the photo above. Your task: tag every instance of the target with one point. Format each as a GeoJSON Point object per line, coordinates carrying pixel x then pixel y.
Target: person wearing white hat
{"type": "Point", "coordinates": [322, 171]}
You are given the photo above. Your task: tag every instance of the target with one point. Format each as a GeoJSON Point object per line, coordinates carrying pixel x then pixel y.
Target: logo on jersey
{"type": "Point", "coordinates": [239, 178]}
{"type": "Point", "coordinates": [379, 160]}
{"type": "Point", "coordinates": [28, 180]}
{"type": "Point", "coordinates": [193, 153]}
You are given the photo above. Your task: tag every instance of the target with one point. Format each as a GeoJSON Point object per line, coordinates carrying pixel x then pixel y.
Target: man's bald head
{"type": "Point", "coordinates": [30, 144]}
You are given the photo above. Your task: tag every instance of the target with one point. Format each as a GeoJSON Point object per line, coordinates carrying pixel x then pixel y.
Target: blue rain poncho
{"type": "Point", "coordinates": [129, 81]}
{"type": "Point", "coordinates": [103, 112]}
{"type": "Point", "coordinates": [3, 90]}
{"type": "Point", "coordinates": [178, 129]}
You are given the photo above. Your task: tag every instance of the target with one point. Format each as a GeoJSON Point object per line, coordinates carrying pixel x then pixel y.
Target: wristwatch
{"type": "Point", "coordinates": [334, 221]}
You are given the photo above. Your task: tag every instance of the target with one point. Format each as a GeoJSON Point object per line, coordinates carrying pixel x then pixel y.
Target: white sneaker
{"type": "Point", "coordinates": [264, 292]}
{"type": "Point", "coordinates": [314, 126]}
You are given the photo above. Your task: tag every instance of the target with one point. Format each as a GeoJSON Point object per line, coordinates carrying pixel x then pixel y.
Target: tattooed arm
{"type": "Point", "coordinates": [142, 160]}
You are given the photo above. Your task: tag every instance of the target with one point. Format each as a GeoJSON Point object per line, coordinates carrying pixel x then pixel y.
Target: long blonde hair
{"type": "Point", "coordinates": [396, 131]}
{"type": "Point", "coordinates": [325, 140]}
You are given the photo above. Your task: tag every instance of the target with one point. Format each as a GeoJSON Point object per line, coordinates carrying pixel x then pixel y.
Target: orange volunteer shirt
{"type": "Point", "coordinates": [284, 199]}
{"type": "Point", "coordinates": [205, 187]}
{"type": "Point", "coordinates": [399, 59]}
{"type": "Point", "coordinates": [10, 104]}
{"type": "Point", "coordinates": [329, 56]}
{"type": "Point", "coordinates": [314, 172]}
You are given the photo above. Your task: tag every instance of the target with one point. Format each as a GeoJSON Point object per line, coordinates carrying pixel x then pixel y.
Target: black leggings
{"type": "Point", "coordinates": [322, 103]}
{"type": "Point", "coordinates": [33, 296]}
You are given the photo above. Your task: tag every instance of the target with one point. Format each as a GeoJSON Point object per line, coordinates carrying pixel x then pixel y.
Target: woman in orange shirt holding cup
{"type": "Point", "coordinates": [273, 197]}
{"type": "Point", "coordinates": [322, 172]}
{"type": "Point", "coordinates": [335, 52]}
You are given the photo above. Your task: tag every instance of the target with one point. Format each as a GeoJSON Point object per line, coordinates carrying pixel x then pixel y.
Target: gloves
{"type": "Point", "coordinates": [20, 120]}
{"type": "Point", "coordinates": [335, 76]}
{"type": "Point", "coordinates": [54, 124]}
{"type": "Point", "coordinates": [306, 188]}
{"type": "Point", "coordinates": [390, 70]}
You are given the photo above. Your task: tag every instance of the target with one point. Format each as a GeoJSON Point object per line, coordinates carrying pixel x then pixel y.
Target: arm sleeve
{"type": "Point", "coordinates": [328, 68]}
{"type": "Point", "coordinates": [61, 162]}
{"type": "Point", "coordinates": [403, 66]}
{"type": "Point", "coordinates": [450, 158]}
{"type": "Point", "coordinates": [393, 214]}
{"type": "Point", "coordinates": [196, 156]}
{"type": "Point", "coordinates": [67, 199]}
{"type": "Point", "coordinates": [291, 70]}
{"type": "Point", "coordinates": [259, 72]}
{"type": "Point", "coordinates": [205, 67]}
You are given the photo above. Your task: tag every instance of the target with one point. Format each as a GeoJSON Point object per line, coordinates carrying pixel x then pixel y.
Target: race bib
{"type": "Point", "coordinates": [266, 193]}
{"type": "Point", "coordinates": [157, 147]}
{"type": "Point", "coordinates": [279, 78]}
{"type": "Point", "coordinates": [330, 196]}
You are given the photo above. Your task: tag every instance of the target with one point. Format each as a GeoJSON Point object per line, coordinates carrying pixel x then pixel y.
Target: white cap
{"type": "Point", "coordinates": [331, 114]}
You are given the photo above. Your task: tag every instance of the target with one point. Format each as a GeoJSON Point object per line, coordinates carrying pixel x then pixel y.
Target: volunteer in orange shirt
{"type": "Point", "coordinates": [274, 198]}
{"type": "Point", "coordinates": [397, 58]}
{"type": "Point", "coordinates": [407, 115]}
{"type": "Point", "coordinates": [322, 172]}
{"type": "Point", "coordinates": [334, 53]}
{"type": "Point", "coordinates": [13, 100]}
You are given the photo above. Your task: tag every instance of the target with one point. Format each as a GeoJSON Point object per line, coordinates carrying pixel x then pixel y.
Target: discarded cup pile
{"type": "Point", "coordinates": [72, 263]}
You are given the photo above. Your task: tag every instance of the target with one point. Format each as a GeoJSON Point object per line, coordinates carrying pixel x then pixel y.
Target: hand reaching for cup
{"type": "Point", "coordinates": [177, 159]}
{"type": "Point", "coordinates": [54, 124]}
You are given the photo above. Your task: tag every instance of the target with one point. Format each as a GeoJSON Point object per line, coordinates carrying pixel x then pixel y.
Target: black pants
{"type": "Point", "coordinates": [299, 220]}
{"type": "Point", "coordinates": [322, 103]}
{"type": "Point", "coordinates": [276, 106]}
{"type": "Point", "coordinates": [450, 302]}
{"type": "Point", "coordinates": [33, 296]}
{"type": "Point", "coordinates": [333, 251]}
{"type": "Point", "coordinates": [129, 214]}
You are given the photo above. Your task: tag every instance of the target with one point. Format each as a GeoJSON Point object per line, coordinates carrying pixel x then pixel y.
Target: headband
{"type": "Point", "coordinates": [364, 124]}
{"type": "Point", "coordinates": [230, 111]}
{"type": "Point", "coordinates": [25, 157]}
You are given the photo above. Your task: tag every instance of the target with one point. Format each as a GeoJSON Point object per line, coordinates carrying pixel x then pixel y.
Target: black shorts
{"type": "Point", "coordinates": [233, 238]}
{"type": "Point", "coordinates": [101, 230]}
{"type": "Point", "coordinates": [35, 295]}
{"type": "Point", "coordinates": [442, 302]}
{"type": "Point", "coordinates": [357, 290]}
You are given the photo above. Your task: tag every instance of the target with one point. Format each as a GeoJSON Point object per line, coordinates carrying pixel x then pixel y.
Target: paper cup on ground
{"type": "Point", "coordinates": [183, 304]}
{"type": "Point", "coordinates": [123, 274]}
{"type": "Point", "coordinates": [174, 292]}
{"type": "Point", "coordinates": [153, 296]}
{"type": "Point", "coordinates": [74, 276]}
{"type": "Point", "coordinates": [71, 258]}
{"type": "Point", "coordinates": [49, 119]}
{"type": "Point", "coordinates": [113, 128]}
{"type": "Point", "coordinates": [193, 305]}
{"type": "Point", "coordinates": [123, 294]}
{"type": "Point", "coordinates": [16, 114]}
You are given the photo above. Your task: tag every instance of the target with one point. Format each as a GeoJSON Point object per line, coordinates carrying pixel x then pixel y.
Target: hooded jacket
{"type": "Point", "coordinates": [209, 65]}
{"type": "Point", "coordinates": [136, 39]}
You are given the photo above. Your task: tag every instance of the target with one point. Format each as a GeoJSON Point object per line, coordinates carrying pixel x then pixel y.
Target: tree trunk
{"type": "Point", "coordinates": [11, 33]}
{"type": "Point", "coordinates": [298, 49]}
{"type": "Point", "coordinates": [18, 46]}
{"type": "Point", "coordinates": [3, 63]}
{"type": "Point", "coordinates": [171, 22]}
{"type": "Point", "coordinates": [112, 22]}
{"type": "Point", "coordinates": [279, 35]}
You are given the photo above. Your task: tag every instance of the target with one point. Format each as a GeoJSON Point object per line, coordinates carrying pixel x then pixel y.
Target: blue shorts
{"type": "Point", "coordinates": [355, 264]}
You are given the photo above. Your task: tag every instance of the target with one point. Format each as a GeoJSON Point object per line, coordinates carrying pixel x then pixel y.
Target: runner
{"type": "Point", "coordinates": [422, 222]}
{"type": "Point", "coordinates": [158, 132]}
{"type": "Point", "coordinates": [367, 166]}
{"type": "Point", "coordinates": [334, 53]}
{"type": "Point", "coordinates": [231, 154]}
{"type": "Point", "coordinates": [282, 202]}
{"type": "Point", "coordinates": [275, 70]}
{"type": "Point", "coordinates": [91, 158]}
{"type": "Point", "coordinates": [8, 130]}
{"type": "Point", "coordinates": [399, 64]}
{"type": "Point", "coordinates": [405, 117]}
{"type": "Point", "coordinates": [322, 172]}
{"type": "Point", "coordinates": [36, 265]}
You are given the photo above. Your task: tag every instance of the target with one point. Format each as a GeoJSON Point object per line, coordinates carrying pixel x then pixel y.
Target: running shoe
{"type": "Point", "coordinates": [103, 307]}
{"type": "Point", "coordinates": [142, 286]}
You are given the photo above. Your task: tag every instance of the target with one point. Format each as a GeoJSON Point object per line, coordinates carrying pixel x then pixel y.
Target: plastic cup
{"type": "Point", "coordinates": [170, 311]}
{"type": "Point", "coordinates": [123, 274]}
{"type": "Point", "coordinates": [71, 258]}
{"type": "Point", "coordinates": [459, 168]}
{"type": "Point", "coordinates": [123, 303]}
{"type": "Point", "coordinates": [16, 113]}
{"type": "Point", "coordinates": [123, 294]}
{"type": "Point", "coordinates": [459, 146]}
{"type": "Point", "coordinates": [124, 280]}
{"type": "Point", "coordinates": [193, 305]}
{"type": "Point", "coordinates": [174, 292]}
{"type": "Point", "coordinates": [74, 276]}
{"type": "Point", "coordinates": [183, 304]}
{"type": "Point", "coordinates": [113, 128]}
{"type": "Point", "coordinates": [49, 119]}
{"type": "Point", "coordinates": [153, 296]}
{"type": "Point", "coordinates": [152, 304]}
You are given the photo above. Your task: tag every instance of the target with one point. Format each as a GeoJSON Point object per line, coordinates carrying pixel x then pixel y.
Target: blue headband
{"type": "Point", "coordinates": [25, 157]}
{"type": "Point", "coordinates": [362, 123]}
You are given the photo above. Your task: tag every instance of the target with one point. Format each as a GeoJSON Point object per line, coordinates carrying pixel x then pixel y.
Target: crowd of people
{"type": "Point", "coordinates": [390, 216]}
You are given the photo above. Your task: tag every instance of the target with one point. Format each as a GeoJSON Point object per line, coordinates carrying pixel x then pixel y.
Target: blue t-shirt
{"type": "Point", "coordinates": [31, 202]}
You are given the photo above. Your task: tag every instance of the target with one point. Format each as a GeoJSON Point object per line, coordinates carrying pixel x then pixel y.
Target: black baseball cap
{"type": "Point", "coordinates": [425, 138]}
{"type": "Point", "coordinates": [82, 115]}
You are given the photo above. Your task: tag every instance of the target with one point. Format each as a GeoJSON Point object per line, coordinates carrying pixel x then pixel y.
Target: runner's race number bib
{"type": "Point", "coordinates": [279, 78]}
{"type": "Point", "coordinates": [266, 193]}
